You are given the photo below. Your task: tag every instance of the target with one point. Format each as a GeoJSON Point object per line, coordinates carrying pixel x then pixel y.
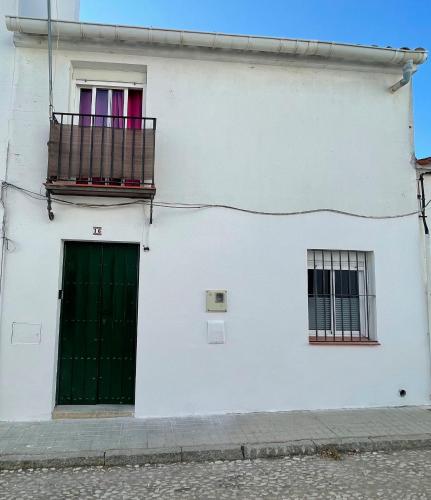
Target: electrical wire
{"type": "Point", "coordinates": [201, 206]}
{"type": "Point", "coordinates": [299, 212]}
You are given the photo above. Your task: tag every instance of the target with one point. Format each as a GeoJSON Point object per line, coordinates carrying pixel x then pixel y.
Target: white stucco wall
{"type": "Point", "coordinates": [267, 362]}
{"type": "Point", "coordinates": [269, 137]}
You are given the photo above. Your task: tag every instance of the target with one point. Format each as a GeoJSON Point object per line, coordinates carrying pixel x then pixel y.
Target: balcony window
{"type": "Point", "coordinates": [111, 102]}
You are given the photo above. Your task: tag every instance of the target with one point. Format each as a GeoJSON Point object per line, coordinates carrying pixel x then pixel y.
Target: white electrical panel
{"type": "Point", "coordinates": [216, 332]}
{"type": "Point", "coordinates": [216, 300]}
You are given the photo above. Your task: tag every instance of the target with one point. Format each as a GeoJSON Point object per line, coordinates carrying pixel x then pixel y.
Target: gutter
{"type": "Point", "coordinates": [73, 30]}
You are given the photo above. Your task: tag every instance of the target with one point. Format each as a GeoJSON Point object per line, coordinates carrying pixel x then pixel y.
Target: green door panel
{"type": "Point", "coordinates": [97, 355]}
{"type": "Point", "coordinates": [118, 317]}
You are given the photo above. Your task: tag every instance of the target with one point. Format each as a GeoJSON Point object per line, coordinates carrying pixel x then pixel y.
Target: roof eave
{"type": "Point", "coordinates": [73, 30]}
{"type": "Point", "coordinates": [424, 164]}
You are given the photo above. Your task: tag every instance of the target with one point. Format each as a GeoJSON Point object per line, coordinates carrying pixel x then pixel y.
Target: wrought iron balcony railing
{"type": "Point", "coordinates": [101, 155]}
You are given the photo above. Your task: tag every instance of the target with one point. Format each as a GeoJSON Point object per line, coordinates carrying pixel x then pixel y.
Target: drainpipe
{"type": "Point", "coordinates": [51, 105]}
{"type": "Point", "coordinates": [427, 249]}
{"type": "Point", "coordinates": [407, 75]}
{"type": "Point", "coordinates": [428, 287]}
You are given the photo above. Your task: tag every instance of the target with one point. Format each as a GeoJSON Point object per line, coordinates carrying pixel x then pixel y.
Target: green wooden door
{"type": "Point", "coordinates": [97, 354]}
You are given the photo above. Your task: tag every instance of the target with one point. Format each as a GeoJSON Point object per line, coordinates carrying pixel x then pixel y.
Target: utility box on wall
{"type": "Point", "coordinates": [216, 333]}
{"type": "Point", "coordinates": [26, 333]}
{"type": "Point", "coordinates": [216, 300]}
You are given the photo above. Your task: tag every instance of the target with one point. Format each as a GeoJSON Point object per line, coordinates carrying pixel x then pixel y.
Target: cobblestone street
{"type": "Point", "coordinates": [393, 475]}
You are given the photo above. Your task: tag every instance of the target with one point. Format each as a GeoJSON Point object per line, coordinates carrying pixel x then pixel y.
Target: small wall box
{"type": "Point", "coordinates": [216, 300]}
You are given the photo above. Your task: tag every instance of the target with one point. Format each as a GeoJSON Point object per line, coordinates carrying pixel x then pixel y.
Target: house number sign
{"type": "Point", "coordinates": [97, 231]}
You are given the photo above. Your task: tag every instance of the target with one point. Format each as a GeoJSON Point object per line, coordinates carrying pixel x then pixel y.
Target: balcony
{"type": "Point", "coordinates": [101, 155]}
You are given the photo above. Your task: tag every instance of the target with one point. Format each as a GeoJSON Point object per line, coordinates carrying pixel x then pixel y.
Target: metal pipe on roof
{"type": "Point", "coordinates": [51, 105]}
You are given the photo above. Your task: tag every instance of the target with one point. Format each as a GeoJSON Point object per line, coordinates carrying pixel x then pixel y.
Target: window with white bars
{"type": "Point", "coordinates": [340, 296]}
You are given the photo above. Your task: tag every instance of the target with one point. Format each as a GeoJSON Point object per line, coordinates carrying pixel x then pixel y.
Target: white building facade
{"type": "Point", "coordinates": [293, 303]}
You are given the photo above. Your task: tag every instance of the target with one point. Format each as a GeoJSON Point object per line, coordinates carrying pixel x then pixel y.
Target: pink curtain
{"type": "Point", "coordinates": [117, 108]}
{"type": "Point", "coordinates": [134, 108]}
{"type": "Point", "coordinates": [85, 107]}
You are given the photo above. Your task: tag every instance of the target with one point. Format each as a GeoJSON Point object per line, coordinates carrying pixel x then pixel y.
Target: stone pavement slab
{"type": "Point", "coordinates": [127, 440]}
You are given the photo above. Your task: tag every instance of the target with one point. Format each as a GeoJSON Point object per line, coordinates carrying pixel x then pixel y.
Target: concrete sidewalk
{"type": "Point", "coordinates": [115, 441]}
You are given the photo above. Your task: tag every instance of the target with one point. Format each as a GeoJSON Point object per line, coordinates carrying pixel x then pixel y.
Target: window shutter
{"type": "Point", "coordinates": [347, 314]}
{"type": "Point", "coordinates": [319, 313]}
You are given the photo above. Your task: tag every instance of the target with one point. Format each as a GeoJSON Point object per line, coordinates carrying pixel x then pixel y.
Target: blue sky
{"type": "Point", "coordinates": [396, 23]}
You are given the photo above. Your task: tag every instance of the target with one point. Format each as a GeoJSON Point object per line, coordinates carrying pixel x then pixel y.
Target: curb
{"type": "Point", "coordinates": [58, 460]}
{"type": "Point", "coordinates": [205, 453]}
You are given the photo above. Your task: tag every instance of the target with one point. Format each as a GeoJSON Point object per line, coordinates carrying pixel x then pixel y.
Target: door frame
{"type": "Point", "coordinates": [56, 382]}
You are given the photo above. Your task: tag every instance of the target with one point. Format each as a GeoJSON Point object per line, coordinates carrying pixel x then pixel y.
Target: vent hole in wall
{"type": "Point", "coordinates": [402, 393]}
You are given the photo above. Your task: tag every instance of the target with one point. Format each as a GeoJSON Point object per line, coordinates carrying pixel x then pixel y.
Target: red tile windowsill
{"type": "Point", "coordinates": [340, 342]}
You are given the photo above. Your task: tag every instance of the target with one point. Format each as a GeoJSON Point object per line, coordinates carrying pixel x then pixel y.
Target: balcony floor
{"type": "Point", "coordinates": [146, 191]}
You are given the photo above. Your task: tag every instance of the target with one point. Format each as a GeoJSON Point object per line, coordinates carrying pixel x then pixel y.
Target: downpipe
{"type": "Point", "coordinates": [407, 76]}
{"type": "Point", "coordinates": [427, 249]}
{"type": "Point", "coordinates": [428, 288]}
{"type": "Point", "coordinates": [51, 105]}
